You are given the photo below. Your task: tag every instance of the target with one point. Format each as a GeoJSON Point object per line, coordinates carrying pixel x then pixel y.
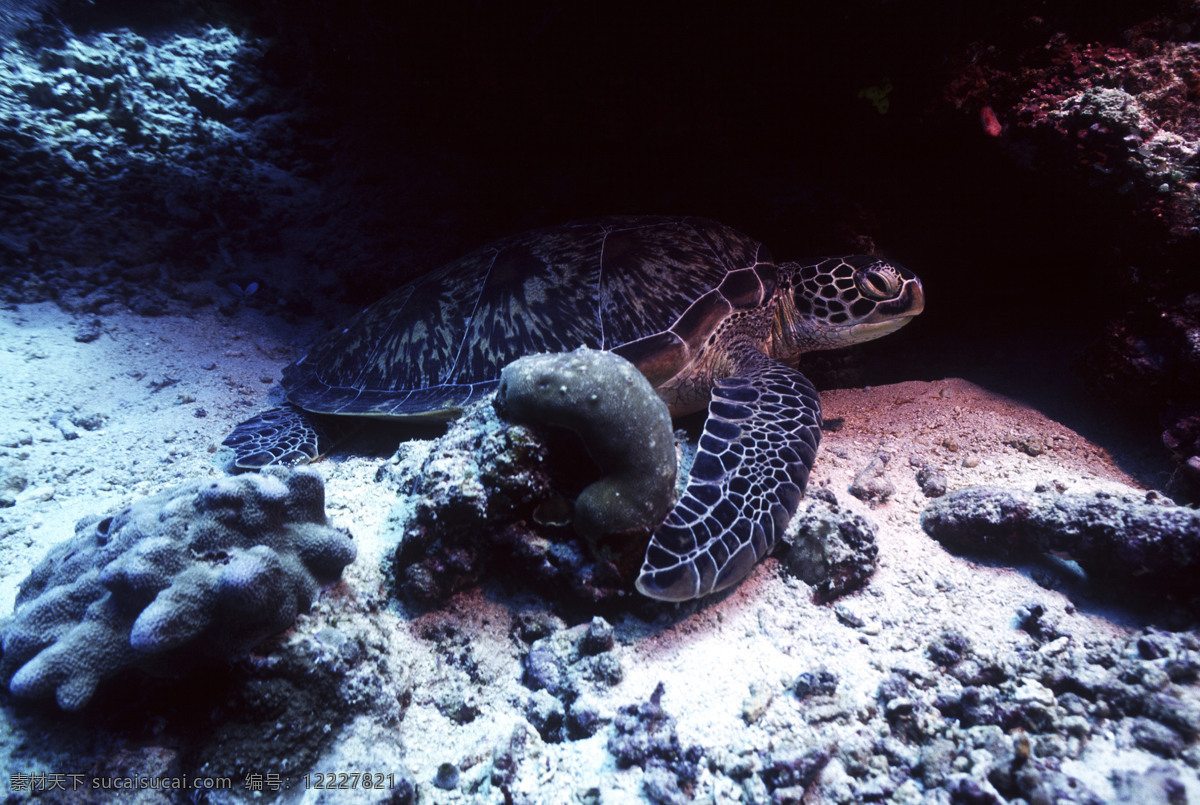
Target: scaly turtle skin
{"type": "Point", "coordinates": [701, 309]}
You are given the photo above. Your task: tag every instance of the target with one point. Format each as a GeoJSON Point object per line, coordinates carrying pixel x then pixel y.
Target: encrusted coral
{"type": "Point", "coordinates": [1119, 118]}
{"type": "Point", "coordinates": [200, 572]}
{"type": "Point", "coordinates": [88, 100]}
{"type": "Point", "coordinates": [483, 499]}
{"type": "Point", "coordinates": [1150, 359]}
{"type": "Point", "coordinates": [622, 421]}
{"type": "Point", "coordinates": [562, 669]}
{"type": "Point", "coordinates": [828, 547]}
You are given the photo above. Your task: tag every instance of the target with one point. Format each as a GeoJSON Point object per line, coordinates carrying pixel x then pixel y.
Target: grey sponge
{"type": "Point", "coordinates": [201, 572]}
{"type": "Point", "coordinates": [625, 426]}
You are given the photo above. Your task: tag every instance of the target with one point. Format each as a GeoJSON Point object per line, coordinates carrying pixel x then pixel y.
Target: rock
{"type": "Point", "coordinates": [1131, 540]}
{"type": "Point", "coordinates": [966, 789]}
{"type": "Point", "coordinates": [821, 682]}
{"type": "Point", "coordinates": [149, 305]}
{"type": "Point", "coordinates": [14, 478]}
{"type": "Point", "coordinates": [470, 508]}
{"type": "Point", "coordinates": [792, 770]}
{"type": "Point", "coordinates": [62, 421]}
{"type": "Point", "coordinates": [544, 667]}
{"type": "Point", "coordinates": [871, 484]}
{"type": "Point", "coordinates": [931, 481]}
{"type": "Point", "coordinates": [88, 331]}
{"type": "Point", "coordinates": [1102, 118]}
{"type": "Point", "coordinates": [644, 735]}
{"type": "Point", "coordinates": [186, 115]}
{"type": "Point", "coordinates": [1182, 715]}
{"type": "Point", "coordinates": [565, 667]}
{"type": "Point", "coordinates": [1158, 785]}
{"type": "Point", "coordinates": [829, 548]}
{"type": "Point", "coordinates": [456, 701]}
{"type": "Point", "coordinates": [1030, 618]}
{"type": "Point", "coordinates": [446, 777]}
{"type": "Point", "coordinates": [598, 638]}
{"type": "Point", "coordinates": [509, 755]}
{"type": "Point", "coordinates": [547, 715]}
{"type": "Point", "coordinates": [1155, 737]}
{"type": "Point", "coordinates": [949, 648]}
{"type": "Point", "coordinates": [661, 787]}
{"type": "Point", "coordinates": [201, 572]}
{"type": "Point", "coordinates": [587, 716]}
{"type": "Point", "coordinates": [757, 702]}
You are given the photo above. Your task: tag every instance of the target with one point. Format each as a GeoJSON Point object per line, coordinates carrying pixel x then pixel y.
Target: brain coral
{"type": "Point", "coordinates": [200, 572]}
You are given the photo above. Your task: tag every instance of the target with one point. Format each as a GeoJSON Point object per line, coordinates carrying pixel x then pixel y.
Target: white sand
{"type": "Point", "coordinates": [149, 377]}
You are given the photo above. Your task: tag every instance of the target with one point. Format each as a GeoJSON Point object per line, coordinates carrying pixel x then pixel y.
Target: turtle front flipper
{"type": "Point", "coordinates": [758, 445]}
{"type": "Point", "coordinates": [284, 435]}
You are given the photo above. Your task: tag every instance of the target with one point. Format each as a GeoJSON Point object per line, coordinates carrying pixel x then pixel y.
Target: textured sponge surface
{"type": "Point", "coordinates": [625, 426]}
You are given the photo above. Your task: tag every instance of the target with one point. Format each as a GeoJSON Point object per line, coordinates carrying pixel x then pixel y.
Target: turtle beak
{"type": "Point", "coordinates": [890, 316]}
{"type": "Point", "coordinates": [898, 310]}
{"type": "Point", "coordinates": [916, 298]}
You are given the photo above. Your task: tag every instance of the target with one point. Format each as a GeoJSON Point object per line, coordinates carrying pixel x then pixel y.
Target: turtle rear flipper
{"type": "Point", "coordinates": [284, 435]}
{"type": "Point", "coordinates": [758, 445]}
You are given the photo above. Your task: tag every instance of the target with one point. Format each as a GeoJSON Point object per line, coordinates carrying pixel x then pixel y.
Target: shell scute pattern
{"type": "Point", "coordinates": [702, 318]}
{"type": "Point", "coordinates": [749, 287]}
{"type": "Point", "coordinates": [733, 248]}
{"type": "Point", "coordinates": [439, 342]}
{"type": "Point", "coordinates": [520, 310]}
{"type": "Point", "coordinates": [422, 322]}
{"type": "Point", "coordinates": [648, 280]}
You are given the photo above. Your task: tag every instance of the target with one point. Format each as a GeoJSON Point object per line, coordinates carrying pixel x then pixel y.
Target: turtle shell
{"type": "Point", "coordinates": [643, 287]}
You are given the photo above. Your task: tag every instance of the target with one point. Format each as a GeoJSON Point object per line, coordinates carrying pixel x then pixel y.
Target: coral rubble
{"type": "Point", "coordinates": [563, 669]}
{"type": "Point", "coordinates": [644, 734]}
{"type": "Point", "coordinates": [828, 547]}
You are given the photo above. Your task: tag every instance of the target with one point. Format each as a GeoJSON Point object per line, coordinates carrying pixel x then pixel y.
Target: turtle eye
{"type": "Point", "coordinates": [878, 283]}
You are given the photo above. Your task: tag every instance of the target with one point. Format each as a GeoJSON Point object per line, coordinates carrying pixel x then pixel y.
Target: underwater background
{"type": "Point", "coordinates": [192, 192]}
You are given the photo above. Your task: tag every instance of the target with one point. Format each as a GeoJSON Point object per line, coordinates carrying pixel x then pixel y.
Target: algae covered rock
{"type": "Point", "coordinates": [201, 572]}
{"type": "Point", "coordinates": [1130, 540]}
{"type": "Point", "coordinates": [486, 496]}
{"type": "Point", "coordinates": [829, 547]}
{"type": "Point", "coordinates": [623, 423]}
{"type": "Point", "coordinates": [563, 669]}
{"type": "Point", "coordinates": [482, 501]}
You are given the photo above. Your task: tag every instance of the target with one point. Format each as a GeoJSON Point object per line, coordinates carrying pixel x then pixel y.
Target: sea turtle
{"type": "Point", "coordinates": [701, 309]}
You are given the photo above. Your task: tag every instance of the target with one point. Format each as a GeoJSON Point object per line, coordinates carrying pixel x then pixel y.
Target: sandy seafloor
{"type": "Point", "coordinates": [161, 393]}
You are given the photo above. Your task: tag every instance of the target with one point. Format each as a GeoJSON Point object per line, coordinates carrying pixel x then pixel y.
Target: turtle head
{"type": "Point", "coordinates": [838, 301]}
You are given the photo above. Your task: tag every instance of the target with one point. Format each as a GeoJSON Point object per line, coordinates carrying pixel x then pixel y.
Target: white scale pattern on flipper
{"type": "Point", "coordinates": [758, 445]}
{"type": "Point", "coordinates": [284, 435]}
